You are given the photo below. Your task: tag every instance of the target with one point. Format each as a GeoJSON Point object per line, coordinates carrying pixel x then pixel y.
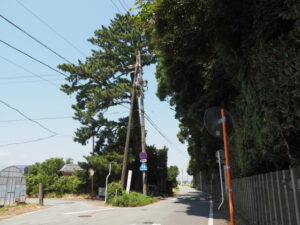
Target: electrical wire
{"type": "Point", "coordinates": [158, 129]}
{"type": "Point", "coordinates": [38, 41]}
{"type": "Point", "coordinates": [30, 82]}
{"type": "Point", "coordinates": [54, 118]}
{"type": "Point", "coordinates": [52, 29]}
{"type": "Point", "coordinates": [30, 141]}
{"type": "Point", "coordinates": [116, 6]}
{"type": "Point", "coordinates": [39, 61]}
{"type": "Point", "coordinates": [124, 7]}
{"type": "Point", "coordinates": [24, 77]}
{"type": "Point", "coordinates": [44, 118]}
{"type": "Point", "coordinates": [23, 68]}
{"type": "Point", "coordinates": [22, 114]}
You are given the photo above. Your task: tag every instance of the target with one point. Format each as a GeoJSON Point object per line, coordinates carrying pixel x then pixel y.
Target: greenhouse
{"type": "Point", "coordinates": [12, 185]}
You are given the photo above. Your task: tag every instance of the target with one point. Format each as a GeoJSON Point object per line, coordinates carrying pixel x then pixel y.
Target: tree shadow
{"type": "Point", "coordinates": [199, 205]}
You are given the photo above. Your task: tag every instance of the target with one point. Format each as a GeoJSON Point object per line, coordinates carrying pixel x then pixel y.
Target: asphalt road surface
{"type": "Point", "coordinates": [189, 207]}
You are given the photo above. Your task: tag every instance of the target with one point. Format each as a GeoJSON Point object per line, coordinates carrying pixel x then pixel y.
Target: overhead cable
{"type": "Point", "coordinates": [33, 121]}
{"type": "Point", "coordinates": [44, 118]}
{"type": "Point", "coordinates": [38, 41]}
{"type": "Point", "coordinates": [23, 68]}
{"type": "Point", "coordinates": [123, 6]}
{"type": "Point", "coordinates": [158, 129]}
{"type": "Point", "coordinates": [37, 60]}
{"type": "Point", "coordinates": [30, 141]}
{"type": "Point", "coordinates": [51, 28]}
{"type": "Point", "coordinates": [116, 6]}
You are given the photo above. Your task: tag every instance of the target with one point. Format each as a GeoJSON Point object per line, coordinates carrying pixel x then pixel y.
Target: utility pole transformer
{"type": "Point", "coordinates": [129, 126]}
{"type": "Point", "coordinates": [143, 136]}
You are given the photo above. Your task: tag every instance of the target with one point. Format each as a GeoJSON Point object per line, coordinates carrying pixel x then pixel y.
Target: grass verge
{"type": "Point", "coordinates": [18, 209]}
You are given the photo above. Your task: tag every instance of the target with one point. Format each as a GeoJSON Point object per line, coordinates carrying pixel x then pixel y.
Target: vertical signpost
{"type": "Point", "coordinates": [218, 123]}
{"type": "Point", "coordinates": [229, 184]}
{"type": "Point", "coordinates": [91, 173]}
{"type": "Point", "coordinates": [143, 159]}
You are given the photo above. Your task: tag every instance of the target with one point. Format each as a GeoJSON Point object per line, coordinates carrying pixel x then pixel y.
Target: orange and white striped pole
{"type": "Point", "coordinates": [228, 175]}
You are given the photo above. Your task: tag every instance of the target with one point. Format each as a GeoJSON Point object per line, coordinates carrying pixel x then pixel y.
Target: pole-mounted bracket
{"type": "Point", "coordinates": [222, 119]}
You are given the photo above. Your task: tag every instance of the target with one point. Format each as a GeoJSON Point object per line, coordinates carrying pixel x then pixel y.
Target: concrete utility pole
{"type": "Point", "coordinates": [129, 126]}
{"type": "Point", "coordinates": [143, 136]}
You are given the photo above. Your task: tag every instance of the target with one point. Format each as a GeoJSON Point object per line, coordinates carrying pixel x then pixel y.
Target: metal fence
{"type": "Point", "coordinates": [268, 199]}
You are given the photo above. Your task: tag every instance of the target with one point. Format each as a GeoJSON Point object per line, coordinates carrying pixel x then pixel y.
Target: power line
{"type": "Point", "coordinates": [22, 114]}
{"type": "Point", "coordinates": [53, 118]}
{"type": "Point", "coordinates": [52, 29]}
{"type": "Point", "coordinates": [24, 77]}
{"type": "Point", "coordinates": [38, 41]}
{"type": "Point", "coordinates": [124, 7]}
{"type": "Point", "coordinates": [158, 129]}
{"type": "Point", "coordinates": [31, 82]}
{"type": "Point", "coordinates": [116, 6]}
{"type": "Point", "coordinates": [125, 3]}
{"type": "Point", "coordinates": [24, 53]}
{"type": "Point", "coordinates": [44, 118]}
{"type": "Point", "coordinates": [30, 141]}
{"type": "Point", "coordinates": [23, 68]}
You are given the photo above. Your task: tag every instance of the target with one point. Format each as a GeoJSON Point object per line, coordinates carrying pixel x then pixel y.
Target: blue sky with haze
{"type": "Point", "coordinates": [21, 88]}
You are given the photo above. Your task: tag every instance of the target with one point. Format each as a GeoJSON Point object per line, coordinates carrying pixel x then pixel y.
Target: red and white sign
{"type": "Point", "coordinates": [143, 155]}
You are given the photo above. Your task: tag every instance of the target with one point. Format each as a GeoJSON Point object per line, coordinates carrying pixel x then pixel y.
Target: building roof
{"type": "Point", "coordinates": [70, 168]}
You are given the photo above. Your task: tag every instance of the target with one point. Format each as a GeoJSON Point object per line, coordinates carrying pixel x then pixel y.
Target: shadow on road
{"type": "Point", "coordinates": [198, 204]}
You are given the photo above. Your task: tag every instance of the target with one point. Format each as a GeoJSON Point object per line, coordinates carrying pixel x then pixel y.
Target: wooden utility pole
{"type": "Point", "coordinates": [126, 149]}
{"type": "Point", "coordinates": [143, 136]}
{"type": "Point", "coordinates": [41, 194]}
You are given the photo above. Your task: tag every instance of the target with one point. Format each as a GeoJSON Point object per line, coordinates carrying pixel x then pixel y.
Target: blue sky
{"type": "Point", "coordinates": [22, 89]}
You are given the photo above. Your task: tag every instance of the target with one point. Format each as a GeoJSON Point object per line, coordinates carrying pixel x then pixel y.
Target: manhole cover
{"type": "Point", "coordinates": [148, 223]}
{"type": "Point", "coordinates": [85, 216]}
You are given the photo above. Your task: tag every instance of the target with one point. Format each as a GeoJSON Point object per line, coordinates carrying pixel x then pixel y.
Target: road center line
{"type": "Point", "coordinates": [87, 211]}
{"type": "Point", "coordinates": [211, 214]}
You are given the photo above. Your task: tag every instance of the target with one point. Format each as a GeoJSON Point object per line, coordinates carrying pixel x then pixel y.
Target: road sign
{"type": "Point", "coordinates": [143, 160]}
{"type": "Point", "coordinates": [143, 155]}
{"type": "Point", "coordinates": [143, 167]}
{"type": "Point", "coordinates": [91, 172]}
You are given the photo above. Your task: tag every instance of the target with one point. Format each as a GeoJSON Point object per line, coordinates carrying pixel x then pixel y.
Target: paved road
{"type": "Point", "coordinates": [189, 207]}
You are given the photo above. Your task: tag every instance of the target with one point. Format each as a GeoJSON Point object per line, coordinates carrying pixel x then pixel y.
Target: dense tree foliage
{"type": "Point", "coordinates": [103, 83]}
{"type": "Point", "coordinates": [48, 174]}
{"type": "Point", "coordinates": [241, 55]}
{"type": "Point", "coordinates": [173, 173]}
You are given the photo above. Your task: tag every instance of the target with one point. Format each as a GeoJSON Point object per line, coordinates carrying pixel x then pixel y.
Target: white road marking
{"type": "Point", "coordinates": [202, 199]}
{"type": "Point", "coordinates": [211, 214]}
{"type": "Point", "coordinates": [87, 211]}
{"type": "Point", "coordinates": [193, 199]}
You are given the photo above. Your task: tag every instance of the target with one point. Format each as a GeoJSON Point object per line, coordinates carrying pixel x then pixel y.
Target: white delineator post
{"type": "Point", "coordinates": [128, 181]}
{"type": "Point", "coordinates": [107, 181]}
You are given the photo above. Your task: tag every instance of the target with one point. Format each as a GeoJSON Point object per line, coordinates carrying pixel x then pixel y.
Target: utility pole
{"type": "Point", "coordinates": [143, 136]}
{"type": "Point", "coordinates": [126, 149]}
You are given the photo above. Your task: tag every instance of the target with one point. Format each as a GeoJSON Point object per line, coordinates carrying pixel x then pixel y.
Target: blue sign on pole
{"type": "Point", "coordinates": [143, 167]}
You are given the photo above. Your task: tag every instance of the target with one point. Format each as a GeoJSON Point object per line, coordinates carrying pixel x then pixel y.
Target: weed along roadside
{"type": "Point", "coordinates": [8, 211]}
{"type": "Point", "coordinates": [118, 197]}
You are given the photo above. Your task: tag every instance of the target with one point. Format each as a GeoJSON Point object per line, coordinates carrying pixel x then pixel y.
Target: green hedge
{"type": "Point", "coordinates": [132, 199]}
